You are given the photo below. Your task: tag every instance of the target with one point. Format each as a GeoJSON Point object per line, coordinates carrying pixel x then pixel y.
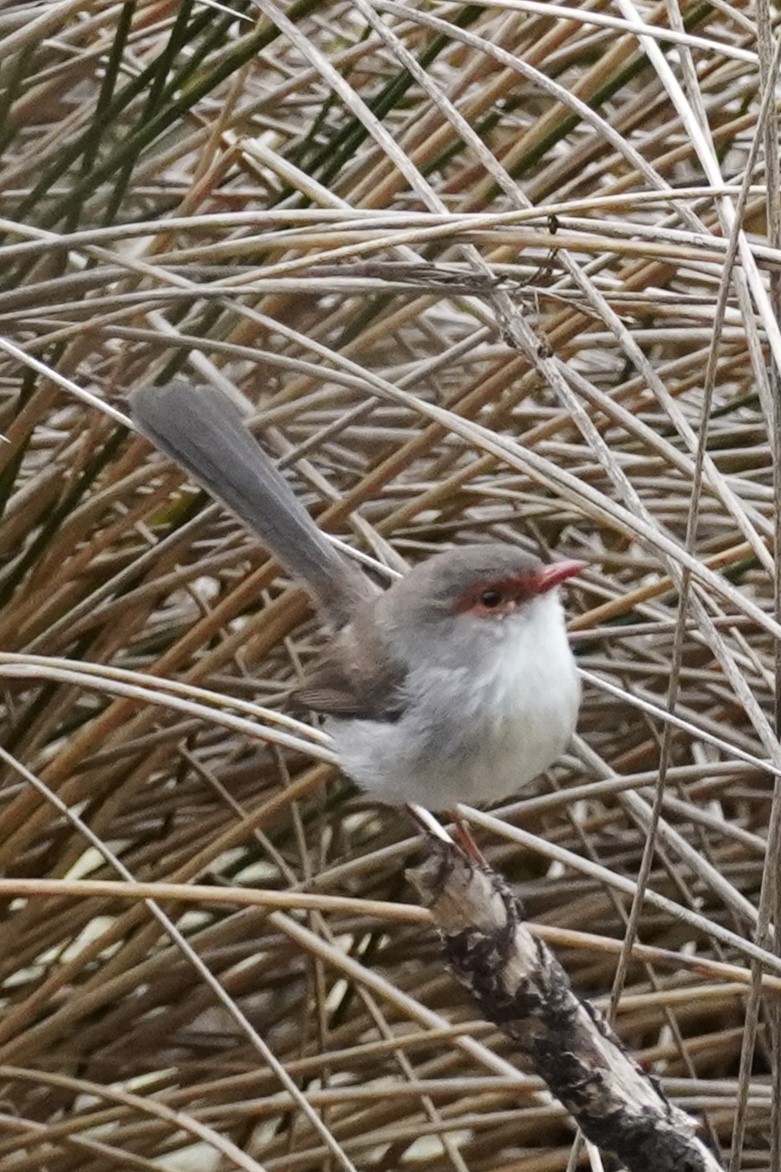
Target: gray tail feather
{"type": "Point", "coordinates": [203, 431]}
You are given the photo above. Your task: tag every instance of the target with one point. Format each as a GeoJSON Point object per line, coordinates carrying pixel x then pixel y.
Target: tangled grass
{"type": "Point", "coordinates": [501, 269]}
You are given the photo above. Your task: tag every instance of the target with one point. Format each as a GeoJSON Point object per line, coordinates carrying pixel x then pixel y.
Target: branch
{"type": "Point", "coordinates": [519, 985]}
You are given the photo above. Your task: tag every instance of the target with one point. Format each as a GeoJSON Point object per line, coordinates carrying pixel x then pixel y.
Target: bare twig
{"type": "Point", "coordinates": [519, 985]}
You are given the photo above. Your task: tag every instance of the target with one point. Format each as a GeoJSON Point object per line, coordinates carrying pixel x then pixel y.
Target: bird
{"type": "Point", "coordinates": [456, 684]}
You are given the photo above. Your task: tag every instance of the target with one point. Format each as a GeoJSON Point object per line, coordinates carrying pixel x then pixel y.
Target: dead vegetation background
{"type": "Point", "coordinates": [508, 269]}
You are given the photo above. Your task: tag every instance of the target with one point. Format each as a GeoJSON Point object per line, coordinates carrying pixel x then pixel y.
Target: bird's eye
{"type": "Point", "coordinates": [490, 599]}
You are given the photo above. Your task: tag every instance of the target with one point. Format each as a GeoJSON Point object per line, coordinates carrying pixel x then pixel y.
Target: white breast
{"type": "Point", "coordinates": [474, 734]}
{"type": "Point", "coordinates": [533, 693]}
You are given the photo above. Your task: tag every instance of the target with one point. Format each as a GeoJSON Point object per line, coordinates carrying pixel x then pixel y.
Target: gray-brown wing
{"type": "Point", "coordinates": [327, 689]}
{"type": "Point", "coordinates": [355, 678]}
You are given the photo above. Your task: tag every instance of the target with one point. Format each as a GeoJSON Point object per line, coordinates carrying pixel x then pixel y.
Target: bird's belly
{"type": "Point", "coordinates": [473, 741]}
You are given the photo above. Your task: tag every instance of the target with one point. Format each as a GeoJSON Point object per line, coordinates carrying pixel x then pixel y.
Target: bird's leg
{"type": "Point", "coordinates": [463, 837]}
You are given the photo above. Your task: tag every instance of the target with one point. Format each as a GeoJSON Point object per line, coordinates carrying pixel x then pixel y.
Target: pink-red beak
{"type": "Point", "coordinates": [558, 572]}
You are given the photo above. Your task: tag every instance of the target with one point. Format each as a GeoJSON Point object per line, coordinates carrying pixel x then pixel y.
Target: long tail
{"type": "Point", "coordinates": [203, 431]}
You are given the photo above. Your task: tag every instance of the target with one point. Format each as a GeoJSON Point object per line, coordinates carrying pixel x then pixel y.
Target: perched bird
{"type": "Point", "coordinates": [457, 684]}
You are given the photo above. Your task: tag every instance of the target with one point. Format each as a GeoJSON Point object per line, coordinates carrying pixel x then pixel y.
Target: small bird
{"type": "Point", "coordinates": [457, 684]}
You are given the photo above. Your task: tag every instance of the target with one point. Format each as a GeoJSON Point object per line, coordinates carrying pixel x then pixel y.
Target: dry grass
{"type": "Point", "coordinates": [506, 269]}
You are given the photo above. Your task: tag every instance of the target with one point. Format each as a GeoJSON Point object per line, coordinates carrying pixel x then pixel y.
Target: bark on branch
{"type": "Point", "coordinates": [519, 985]}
